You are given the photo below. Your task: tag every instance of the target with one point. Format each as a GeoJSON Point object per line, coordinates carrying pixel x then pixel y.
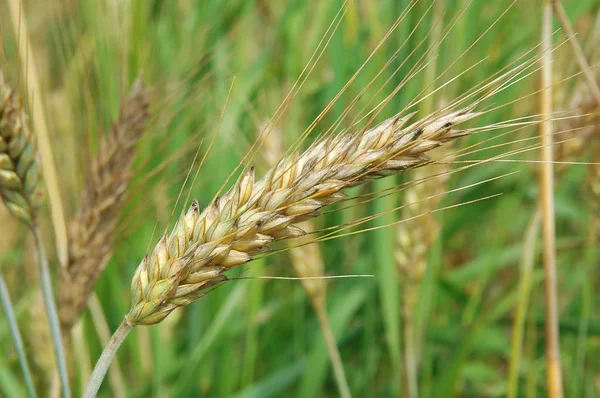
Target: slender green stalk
{"type": "Point", "coordinates": [16, 335]}
{"type": "Point", "coordinates": [51, 312]}
{"type": "Point", "coordinates": [91, 390]}
{"type": "Point", "coordinates": [117, 381]}
{"type": "Point", "coordinates": [525, 283]}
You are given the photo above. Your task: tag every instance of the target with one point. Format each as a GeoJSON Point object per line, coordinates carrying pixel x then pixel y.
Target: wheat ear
{"type": "Point", "coordinates": [414, 237]}
{"type": "Point", "coordinates": [21, 192]}
{"type": "Point", "coordinates": [308, 264]}
{"type": "Point", "coordinates": [19, 167]}
{"type": "Point", "coordinates": [92, 230]}
{"type": "Point", "coordinates": [253, 214]}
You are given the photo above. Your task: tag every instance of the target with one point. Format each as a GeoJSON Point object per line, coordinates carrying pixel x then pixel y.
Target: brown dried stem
{"type": "Point", "coordinates": [554, 373]}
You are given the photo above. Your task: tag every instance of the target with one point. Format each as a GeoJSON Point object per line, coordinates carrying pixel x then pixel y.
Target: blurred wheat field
{"type": "Point", "coordinates": [216, 73]}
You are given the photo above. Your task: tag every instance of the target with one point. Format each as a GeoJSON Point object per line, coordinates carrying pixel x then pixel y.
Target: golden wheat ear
{"type": "Point", "coordinates": [19, 171]}
{"type": "Point", "coordinates": [252, 214]}
{"type": "Point", "coordinates": [93, 228]}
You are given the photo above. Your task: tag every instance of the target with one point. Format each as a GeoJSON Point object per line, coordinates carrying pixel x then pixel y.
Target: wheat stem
{"type": "Point", "coordinates": [16, 335]}
{"type": "Point", "coordinates": [117, 381]}
{"type": "Point", "coordinates": [109, 352]}
{"type": "Point", "coordinates": [334, 354]}
{"type": "Point", "coordinates": [554, 376]}
{"type": "Point", "coordinates": [50, 306]}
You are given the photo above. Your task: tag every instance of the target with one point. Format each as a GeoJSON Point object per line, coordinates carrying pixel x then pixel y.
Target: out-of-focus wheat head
{"type": "Point", "coordinates": [93, 229]}
{"type": "Point", "coordinates": [420, 229]}
{"type": "Point", "coordinates": [581, 125]}
{"type": "Point", "coordinates": [19, 166]}
{"type": "Point", "coordinates": [252, 214]}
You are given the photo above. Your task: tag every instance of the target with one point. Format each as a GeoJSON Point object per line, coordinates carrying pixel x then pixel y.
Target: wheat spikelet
{"type": "Point", "coordinates": [92, 230]}
{"type": "Point", "coordinates": [306, 259]}
{"type": "Point", "coordinates": [19, 170]}
{"type": "Point", "coordinates": [253, 214]}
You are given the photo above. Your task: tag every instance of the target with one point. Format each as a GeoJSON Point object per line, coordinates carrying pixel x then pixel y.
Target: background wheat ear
{"type": "Point", "coordinates": [19, 167]}
{"type": "Point", "coordinates": [414, 238]}
{"type": "Point", "coordinates": [307, 262]}
{"type": "Point", "coordinates": [93, 228]}
{"type": "Point", "coordinates": [21, 192]}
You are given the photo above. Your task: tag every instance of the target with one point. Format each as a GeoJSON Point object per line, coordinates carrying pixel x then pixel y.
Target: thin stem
{"type": "Point", "coordinates": [117, 381]}
{"type": "Point", "coordinates": [16, 335]}
{"type": "Point", "coordinates": [579, 55]}
{"type": "Point", "coordinates": [105, 360]}
{"type": "Point", "coordinates": [553, 371]}
{"type": "Point", "coordinates": [334, 354]}
{"type": "Point", "coordinates": [525, 283]}
{"type": "Point", "coordinates": [50, 306]}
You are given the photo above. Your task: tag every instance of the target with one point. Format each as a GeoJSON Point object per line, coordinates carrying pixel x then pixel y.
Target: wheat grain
{"type": "Point", "coordinates": [19, 171]}
{"type": "Point", "coordinates": [253, 214]}
{"type": "Point", "coordinates": [92, 230]}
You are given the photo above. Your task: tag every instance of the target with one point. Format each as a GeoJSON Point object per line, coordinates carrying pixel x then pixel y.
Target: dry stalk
{"type": "Point", "coordinates": [553, 370]}
{"type": "Point", "coordinates": [414, 237]}
{"type": "Point", "coordinates": [92, 230]}
{"type": "Point", "coordinates": [252, 214]}
{"type": "Point", "coordinates": [308, 262]}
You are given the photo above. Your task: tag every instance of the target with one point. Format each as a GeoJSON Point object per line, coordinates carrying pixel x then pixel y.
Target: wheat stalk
{"type": "Point", "coordinates": [252, 214]}
{"type": "Point", "coordinates": [20, 190]}
{"type": "Point", "coordinates": [92, 230]}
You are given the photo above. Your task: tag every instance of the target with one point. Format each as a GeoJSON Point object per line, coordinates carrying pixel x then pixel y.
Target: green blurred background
{"type": "Point", "coordinates": [225, 67]}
